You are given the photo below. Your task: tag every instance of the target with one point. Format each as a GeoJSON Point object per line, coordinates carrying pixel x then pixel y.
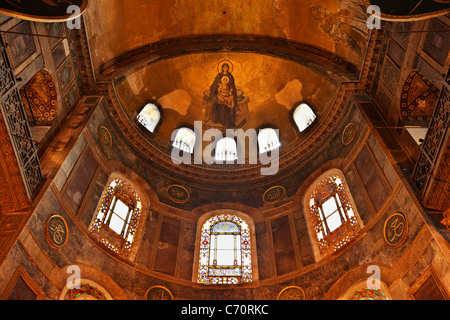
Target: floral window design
{"type": "Point", "coordinates": [85, 291]}
{"type": "Point", "coordinates": [368, 294]}
{"type": "Point", "coordinates": [117, 217]}
{"type": "Point", "coordinates": [332, 215]}
{"type": "Point", "coordinates": [225, 256]}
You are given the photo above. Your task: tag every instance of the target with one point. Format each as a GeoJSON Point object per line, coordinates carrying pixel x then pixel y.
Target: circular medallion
{"type": "Point", "coordinates": [348, 134]}
{"type": "Point", "coordinates": [291, 293]}
{"type": "Point", "coordinates": [159, 293]}
{"type": "Point", "coordinates": [395, 229]}
{"type": "Point", "coordinates": [56, 231]}
{"type": "Point", "coordinates": [273, 194]}
{"type": "Point", "coordinates": [105, 136]}
{"type": "Point", "coordinates": [178, 193]}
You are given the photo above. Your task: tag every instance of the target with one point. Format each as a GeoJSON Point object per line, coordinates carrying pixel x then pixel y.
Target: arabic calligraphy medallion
{"type": "Point", "coordinates": [56, 231]}
{"type": "Point", "coordinates": [274, 194]}
{"type": "Point", "coordinates": [395, 229]}
{"type": "Point", "coordinates": [178, 193]}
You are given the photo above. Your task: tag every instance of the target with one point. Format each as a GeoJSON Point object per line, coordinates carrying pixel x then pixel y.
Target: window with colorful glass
{"type": "Point", "coordinates": [225, 255]}
{"type": "Point", "coordinates": [368, 294]}
{"type": "Point", "coordinates": [332, 215]}
{"type": "Point", "coordinates": [118, 216]}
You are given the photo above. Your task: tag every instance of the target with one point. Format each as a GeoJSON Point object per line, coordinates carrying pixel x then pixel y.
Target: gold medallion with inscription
{"type": "Point", "coordinates": [291, 293]}
{"type": "Point", "coordinates": [178, 194]}
{"type": "Point", "coordinates": [159, 293]}
{"type": "Point", "coordinates": [348, 134]}
{"type": "Point", "coordinates": [105, 136]}
{"type": "Point", "coordinates": [56, 231]}
{"type": "Point", "coordinates": [274, 194]}
{"type": "Point", "coordinates": [395, 229]}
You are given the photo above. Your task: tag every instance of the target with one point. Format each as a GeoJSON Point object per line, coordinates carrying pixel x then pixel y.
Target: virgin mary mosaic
{"type": "Point", "coordinates": [226, 104]}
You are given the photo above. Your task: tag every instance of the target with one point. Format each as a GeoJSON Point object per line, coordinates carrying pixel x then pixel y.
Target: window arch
{"type": "Point", "coordinates": [333, 218]}
{"type": "Point", "coordinates": [304, 116]}
{"type": "Point", "coordinates": [184, 140]}
{"type": "Point", "coordinates": [85, 290]}
{"type": "Point", "coordinates": [149, 116]}
{"type": "Point", "coordinates": [268, 140]}
{"type": "Point", "coordinates": [225, 253]}
{"type": "Point", "coordinates": [226, 149]}
{"type": "Point", "coordinates": [364, 291]}
{"type": "Point", "coordinates": [117, 217]}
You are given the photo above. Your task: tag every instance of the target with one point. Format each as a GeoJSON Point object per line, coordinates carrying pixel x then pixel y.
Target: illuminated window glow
{"type": "Point", "coordinates": [184, 140]}
{"type": "Point", "coordinates": [149, 117]}
{"type": "Point", "coordinates": [226, 149]}
{"type": "Point", "coordinates": [303, 116]}
{"type": "Point", "coordinates": [268, 140]}
{"type": "Point", "coordinates": [117, 217]}
{"type": "Point", "coordinates": [225, 256]}
{"type": "Point", "coordinates": [334, 220]}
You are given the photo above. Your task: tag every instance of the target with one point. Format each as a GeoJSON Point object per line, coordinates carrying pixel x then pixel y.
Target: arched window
{"type": "Point", "coordinates": [268, 140]}
{"type": "Point", "coordinates": [184, 140]}
{"type": "Point", "coordinates": [117, 217]}
{"type": "Point", "coordinates": [368, 294]}
{"type": "Point", "coordinates": [85, 290]}
{"type": "Point", "coordinates": [226, 149]}
{"type": "Point", "coordinates": [149, 117]}
{"type": "Point", "coordinates": [362, 290]}
{"type": "Point", "coordinates": [303, 116]}
{"type": "Point", "coordinates": [225, 256]}
{"type": "Point", "coordinates": [332, 215]}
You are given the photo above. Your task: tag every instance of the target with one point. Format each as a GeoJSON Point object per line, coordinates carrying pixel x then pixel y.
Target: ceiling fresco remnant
{"type": "Point", "coordinates": [116, 27]}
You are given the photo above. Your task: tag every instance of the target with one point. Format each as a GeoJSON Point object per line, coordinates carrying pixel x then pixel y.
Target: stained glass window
{"type": "Point", "coordinates": [149, 116]}
{"type": "Point", "coordinates": [332, 215]}
{"type": "Point", "coordinates": [304, 116]}
{"type": "Point", "coordinates": [117, 217]}
{"type": "Point", "coordinates": [225, 256]}
{"type": "Point", "coordinates": [368, 294]}
{"type": "Point", "coordinates": [268, 140]}
{"type": "Point", "coordinates": [226, 149]}
{"type": "Point", "coordinates": [184, 140]}
{"type": "Point", "coordinates": [85, 291]}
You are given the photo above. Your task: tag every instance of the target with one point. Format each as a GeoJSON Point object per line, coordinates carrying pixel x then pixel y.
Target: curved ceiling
{"type": "Point", "coordinates": [281, 51]}
{"type": "Point", "coordinates": [116, 26]}
{"type": "Point", "coordinates": [268, 88]}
